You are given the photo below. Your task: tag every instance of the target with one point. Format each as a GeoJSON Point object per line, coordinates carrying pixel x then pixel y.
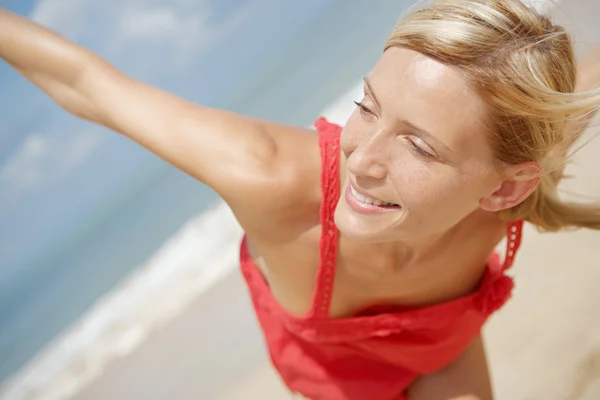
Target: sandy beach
{"type": "Point", "coordinates": [544, 344]}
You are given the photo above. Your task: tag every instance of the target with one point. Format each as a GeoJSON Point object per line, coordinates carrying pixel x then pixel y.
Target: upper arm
{"type": "Point", "coordinates": [467, 378]}
{"type": "Point", "coordinates": [243, 159]}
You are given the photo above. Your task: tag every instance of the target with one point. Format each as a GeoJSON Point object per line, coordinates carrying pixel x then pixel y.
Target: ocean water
{"type": "Point", "coordinates": [163, 230]}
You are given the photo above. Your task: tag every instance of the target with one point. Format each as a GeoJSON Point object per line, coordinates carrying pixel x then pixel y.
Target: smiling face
{"type": "Point", "coordinates": [416, 140]}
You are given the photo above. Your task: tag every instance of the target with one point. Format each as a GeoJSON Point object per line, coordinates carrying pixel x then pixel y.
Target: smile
{"type": "Point", "coordinates": [364, 204]}
{"type": "Point", "coordinates": [370, 200]}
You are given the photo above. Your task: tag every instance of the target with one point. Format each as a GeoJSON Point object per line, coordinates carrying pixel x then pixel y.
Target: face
{"type": "Point", "coordinates": [415, 140]}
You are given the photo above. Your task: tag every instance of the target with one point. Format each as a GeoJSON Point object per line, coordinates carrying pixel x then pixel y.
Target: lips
{"type": "Point", "coordinates": [364, 204]}
{"type": "Point", "coordinates": [370, 200]}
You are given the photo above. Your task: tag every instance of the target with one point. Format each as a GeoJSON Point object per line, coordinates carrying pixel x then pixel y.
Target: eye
{"type": "Point", "coordinates": [419, 150]}
{"type": "Point", "coordinates": [363, 108]}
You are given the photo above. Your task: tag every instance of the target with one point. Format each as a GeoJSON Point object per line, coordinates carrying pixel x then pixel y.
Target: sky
{"type": "Point", "coordinates": [57, 171]}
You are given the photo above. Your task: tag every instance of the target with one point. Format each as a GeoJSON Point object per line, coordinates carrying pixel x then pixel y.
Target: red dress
{"type": "Point", "coordinates": [374, 357]}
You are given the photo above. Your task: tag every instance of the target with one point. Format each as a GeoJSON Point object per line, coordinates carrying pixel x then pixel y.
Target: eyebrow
{"type": "Point", "coordinates": [419, 131]}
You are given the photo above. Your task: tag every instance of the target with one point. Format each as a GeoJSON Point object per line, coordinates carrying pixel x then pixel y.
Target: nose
{"type": "Point", "coordinates": [367, 158]}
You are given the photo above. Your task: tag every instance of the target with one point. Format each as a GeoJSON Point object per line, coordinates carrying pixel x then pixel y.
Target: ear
{"type": "Point", "coordinates": [520, 181]}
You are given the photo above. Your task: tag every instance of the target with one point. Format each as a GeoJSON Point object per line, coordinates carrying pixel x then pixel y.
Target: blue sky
{"type": "Point", "coordinates": [55, 170]}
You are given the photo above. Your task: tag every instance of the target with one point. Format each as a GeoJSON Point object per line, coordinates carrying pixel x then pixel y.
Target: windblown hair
{"type": "Point", "coordinates": [524, 68]}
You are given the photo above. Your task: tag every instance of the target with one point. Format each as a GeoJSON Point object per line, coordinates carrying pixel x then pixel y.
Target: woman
{"type": "Point", "coordinates": [367, 247]}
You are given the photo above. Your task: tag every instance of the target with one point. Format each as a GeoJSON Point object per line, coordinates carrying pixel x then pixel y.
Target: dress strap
{"type": "Point", "coordinates": [329, 143]}
{"type": "Point", "coordinates": [514, 233]}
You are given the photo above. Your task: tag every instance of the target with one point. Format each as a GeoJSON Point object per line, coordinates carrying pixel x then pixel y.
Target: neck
{"type": "Point", "coordinates": [486, 224]}
{"type": "Point", "coordinates": [439, 267]}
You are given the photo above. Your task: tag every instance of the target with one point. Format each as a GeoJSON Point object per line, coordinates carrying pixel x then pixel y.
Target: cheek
{"type": "Point", "coordinates": [412, 178]}
{"type": "Point", "coordinates": [431, 187]}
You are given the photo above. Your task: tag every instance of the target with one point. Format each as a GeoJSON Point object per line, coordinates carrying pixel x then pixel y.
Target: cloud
{"type": "Point", "coordinates": [173, 32]}
{"type": "Point", "coordinates": [45, 158]}
{"type": "Point", "coordinates": [154, 23]}
{"type": "Point", "coordinates": [67, 17]}
{"type": "Point", "coordinates": [177, 30]}
{"type": "Point", "coordinates": [21, 168]}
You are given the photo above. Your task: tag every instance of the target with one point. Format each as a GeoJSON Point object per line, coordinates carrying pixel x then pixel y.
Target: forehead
{"type": "Point", "coordinates": [430, 95]}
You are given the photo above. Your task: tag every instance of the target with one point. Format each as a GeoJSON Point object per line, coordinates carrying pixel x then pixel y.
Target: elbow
{"type": "Point", "coordinates": [79, 95]}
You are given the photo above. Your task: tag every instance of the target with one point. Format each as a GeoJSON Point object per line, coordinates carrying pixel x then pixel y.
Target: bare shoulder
{"type": "Point", "coordinates": [289, 192]}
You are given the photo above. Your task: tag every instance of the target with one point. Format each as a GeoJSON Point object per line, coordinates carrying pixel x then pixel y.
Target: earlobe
{"type": "Point", "coordinates": [522, 181]}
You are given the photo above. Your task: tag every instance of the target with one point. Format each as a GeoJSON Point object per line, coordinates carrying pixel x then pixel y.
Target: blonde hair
{"type": "Point", "coordinates": [524, 68]}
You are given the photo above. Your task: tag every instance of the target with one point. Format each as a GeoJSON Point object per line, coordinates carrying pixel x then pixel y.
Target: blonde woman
{"type": "Point", "coordinates": [368, 251]}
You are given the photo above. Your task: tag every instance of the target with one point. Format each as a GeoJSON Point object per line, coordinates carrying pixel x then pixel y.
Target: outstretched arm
{"type": "Point", "coordinates": [246, 161]}
{"type": "Point", "coordinates": [467, 378]}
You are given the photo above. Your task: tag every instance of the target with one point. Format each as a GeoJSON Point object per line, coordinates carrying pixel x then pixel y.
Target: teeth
{"type": "Point", "coordinates": [368, 200]}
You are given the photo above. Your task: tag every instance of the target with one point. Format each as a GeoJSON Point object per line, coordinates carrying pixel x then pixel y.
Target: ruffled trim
{"type": "Point", "coordinates": [329, 140]}
{"type": "Point", "coordinates": [499, 292]}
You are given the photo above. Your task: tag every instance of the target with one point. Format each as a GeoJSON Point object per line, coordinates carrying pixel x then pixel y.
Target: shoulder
{"type": "Point", "coordinates": [292, 191]}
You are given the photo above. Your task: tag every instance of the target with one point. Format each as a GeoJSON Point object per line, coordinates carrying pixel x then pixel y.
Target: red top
{"type": "Point", "coordinates": [367, 356]}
